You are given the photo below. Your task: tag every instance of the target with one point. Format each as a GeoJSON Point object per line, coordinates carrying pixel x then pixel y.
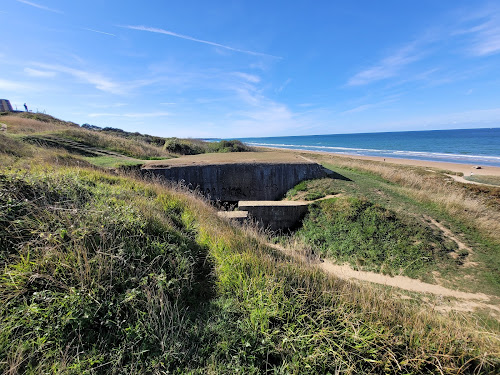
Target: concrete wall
{"type": "Point", "coordinates": [280, 215]}
{"type": "Point", "coordinates": [241, 181]}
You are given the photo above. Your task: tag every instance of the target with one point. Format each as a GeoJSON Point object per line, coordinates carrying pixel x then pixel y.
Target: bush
{"type": "Point", "coordinates": [228, 146]}
{"type": "Point", "coordinates": [194, 146]}
{"type": "Point", "coordinates": [182, 147]}
{"type": "Point", "coordinates": [367, 235]}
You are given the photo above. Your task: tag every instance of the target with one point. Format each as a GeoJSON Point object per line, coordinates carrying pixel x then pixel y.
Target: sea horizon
{"type": "Point", "coordinates": [479, 146]}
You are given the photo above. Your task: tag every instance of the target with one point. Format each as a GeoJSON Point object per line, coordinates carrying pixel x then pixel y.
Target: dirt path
{"type": "Point", "coordinates": [466, 301]}
{"type": "Point", "coordinates": [461, 245]}
{"type": "Point", "coordinates": [402, 282]}
{"type": "Point", "coordinates": [463, 180]}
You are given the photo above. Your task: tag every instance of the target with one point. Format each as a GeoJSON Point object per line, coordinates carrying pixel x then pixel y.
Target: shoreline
{"type": "Point", "coordinates": [466, 169]}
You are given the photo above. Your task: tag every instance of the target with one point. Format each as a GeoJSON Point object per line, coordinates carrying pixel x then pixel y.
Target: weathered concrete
{"type": "Point", "coordinates": [239, 216]}
{"type": "Point", "coordinates": [275, 215]}
{"type": "Point", "coordinates": [234, 177]}
{"type": "Point", "coordinates": [5, 106]}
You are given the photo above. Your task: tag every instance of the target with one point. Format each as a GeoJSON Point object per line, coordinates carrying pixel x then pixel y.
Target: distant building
{"type": "Point", "coordinates": [5, 106]}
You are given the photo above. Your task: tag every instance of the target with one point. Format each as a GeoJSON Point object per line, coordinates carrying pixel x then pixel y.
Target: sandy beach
{"type": "Point", "coordinates": [466, 169]}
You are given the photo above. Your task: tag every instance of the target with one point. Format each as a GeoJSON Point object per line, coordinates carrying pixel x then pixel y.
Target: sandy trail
{"type": "Point", "coordinates": [464, 181]}
{"type": "Point", "coordinates": [467, 301]}
{"type": "Point", "coordinates": [402, 282]}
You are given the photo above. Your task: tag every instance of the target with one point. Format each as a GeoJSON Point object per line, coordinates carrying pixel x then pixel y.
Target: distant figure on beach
{"type": "Point", "coordinates": [25, 107]}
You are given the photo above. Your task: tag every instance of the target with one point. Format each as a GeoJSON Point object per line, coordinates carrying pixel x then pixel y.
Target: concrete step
{"type": "Point", "coordinates": [239, 216]}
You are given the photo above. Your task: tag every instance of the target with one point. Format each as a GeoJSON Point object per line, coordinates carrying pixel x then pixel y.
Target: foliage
{"type": "Point", "coordinates": [108, 274]}
{"type": "Point", "coordinates": [90, 280]}
{"type": "Point", "coordinates": [182, 146]}
{"type": "Point", "coordinates": [14, 147]}
{"type": "Point", "coordinates": [369, 236]}
{"type": "Point", "coordinates": [228, 146]}
{"type": "Point", "coordinates": [194, 147]}
{"type": "Point", "coordinates": [310, 190]}
{"type": "Point", "coordinates": [492, 180]}
{"type": "Point", "coordinates": [135, 149]}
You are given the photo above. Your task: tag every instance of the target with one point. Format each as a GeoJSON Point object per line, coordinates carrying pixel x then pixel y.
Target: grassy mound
{"type": "Point", "coordinates": [310, 190]}
{"type": "Point", "coordinates": [366, 235]}
{"type": "Point", "coordinates": [92, 141]}
{"type": "Point", "coordinates": [91, 281]}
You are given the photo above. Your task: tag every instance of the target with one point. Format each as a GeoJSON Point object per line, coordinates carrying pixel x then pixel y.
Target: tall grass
{"type": "Point", "coordinates": [196, 146]}
{"type": "Point", "coordinates": [124, 146]}
{"type": "Point", "coordinates": [432, 188]}
{"type": "Point", "coordinates": [21, 125]}
{"type": "Point", "coordinates": [107, 274]}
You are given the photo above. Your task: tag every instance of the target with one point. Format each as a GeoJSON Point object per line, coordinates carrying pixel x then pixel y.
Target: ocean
{"type": "Point", "coordinates": [466, 146]}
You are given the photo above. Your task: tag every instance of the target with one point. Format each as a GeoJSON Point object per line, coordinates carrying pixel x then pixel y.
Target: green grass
{"type": "Point", "coordinates": [81, 267]}
{"type": "Point", "coordinates": [312, 189]}
{"type": "Point", "coordinates": [484, 276]}
{"type": "Point", "coordinates": [183, 146]}
{"type": "Point", "coordinates": [491, 180]}
{"type": "Point", "coordinates": [113, 161]}
{"type": "Point", "coordinates": [370, 237]}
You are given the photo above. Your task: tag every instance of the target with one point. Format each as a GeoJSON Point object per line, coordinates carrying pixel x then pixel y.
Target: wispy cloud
{"type": "Point", "coordinates": [39, 73]}
{"type": "Point", "coordinates": [285, 84]}
{"type": "Point", "coordinates": [247, 77]}
{"type": "Point", "coordinates": [12, 86]}
{"type": "Point", "coordinates": [171, 33]}
{"type": "Point", "coordinates": [484, 28]}
{"type": "Point", "coordinates": [258, 115]}
{"type": "Point", "coordinates": [99, 32]}
{"type": "Point", "coordinates": [107, 105]}
{"type": "Point", "coordinates": [388, 67]}
{"type": "Point", "coordinates": [99, 81]}
{"type": "Point", "coordinates": [40, 6]}
{"type": "Point", "coordinates": [131, 115]}
{"type": "Point", "coordinates": [369, 106]}
{"type": "Point", "coordinates": [476, 117]}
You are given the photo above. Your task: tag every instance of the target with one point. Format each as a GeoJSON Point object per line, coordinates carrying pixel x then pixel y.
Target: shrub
{"type": "Point", "coordinates": [182, 147]}
{"type": "Point", "coordinates": [228, 146]}
{"type": "Point", "coordinates": [372, 237]}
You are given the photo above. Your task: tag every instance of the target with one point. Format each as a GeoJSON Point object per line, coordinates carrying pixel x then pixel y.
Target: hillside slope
{"type": "Point", "coordinates": [106, 273]}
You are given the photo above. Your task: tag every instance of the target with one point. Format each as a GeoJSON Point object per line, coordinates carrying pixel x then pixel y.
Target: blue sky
{"type": "Point", "coordinates": [254, 68]}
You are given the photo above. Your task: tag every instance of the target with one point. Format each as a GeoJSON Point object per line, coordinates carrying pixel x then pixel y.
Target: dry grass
{"type": "Point", "coordinates": [432, 188]}
{"type": "Point", "coordinates": [136, 149]}
{"type": "Point", "coordinates": [20, 125]}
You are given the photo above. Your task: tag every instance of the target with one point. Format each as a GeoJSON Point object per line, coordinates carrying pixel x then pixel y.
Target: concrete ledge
{"type": "Point", "coordinates": [272, 203]}
{"type": "Point", "coordinates": [275, 215]}
{"type": "Point", "coordinates": [239, 216]}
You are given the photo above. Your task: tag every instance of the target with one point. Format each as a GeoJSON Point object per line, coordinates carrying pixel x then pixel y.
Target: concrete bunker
{"type": "Point", "coordinates": [232, 177]}
{"type": "Point", "coordinates": [253, 180]}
